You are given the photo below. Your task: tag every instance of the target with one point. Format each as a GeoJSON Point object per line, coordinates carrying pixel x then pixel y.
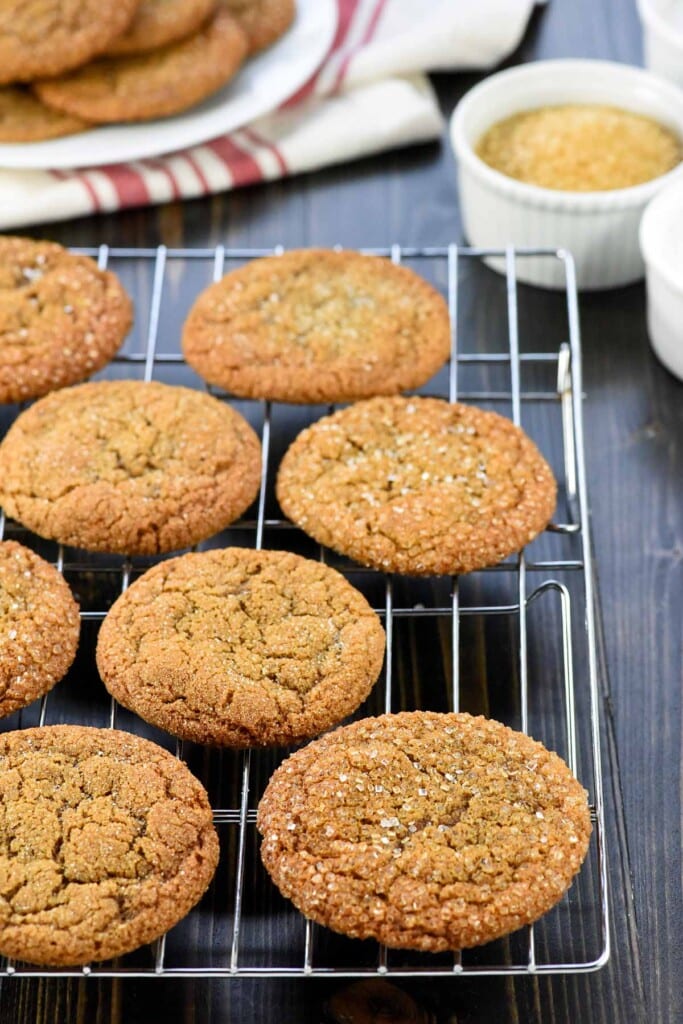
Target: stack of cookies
{"type": "Point", "coordinates": [76, 65]}
{"type": "Point", "coordinates": [421, 830]}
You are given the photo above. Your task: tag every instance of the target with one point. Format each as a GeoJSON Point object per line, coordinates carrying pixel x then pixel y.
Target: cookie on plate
{"type": "Point", "coordinates": [263, 21]}
{"type": "Point", "coordinates": [23, 118]}
{"type": "Point", "coordinates": [424, 831]}
{"type": "Point", "coordinates": [143, 86]}
{"type": "Point", "coordinates": [106, 842]}
{"type": "Point", "coordinates": [316, 325]}
{"type": "Point", "coordinates": [417, 486]}
{"type": "Point", "coordinates": [160, 22]}
{"type": "Point", "coordinates": [53, 36]}
{"type": "Point", "coordinates": [61, 317]}
{"type": "Point", "coordinates": [129, 467]}
{"type": "Point", "coordinates": [39, 627]}
{"type": "Point", "coordinates": [241, 648]}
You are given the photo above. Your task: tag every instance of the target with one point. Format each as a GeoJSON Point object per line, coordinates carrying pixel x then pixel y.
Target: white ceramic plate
{"type": "Point", "coordinates": [263, 83]}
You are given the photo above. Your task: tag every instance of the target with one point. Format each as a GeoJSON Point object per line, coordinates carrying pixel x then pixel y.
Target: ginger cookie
{"type": "Point", "coordinates": [39, 627]}
{"type": "Point", "coordinates": [23, 118]}
{"type": "Point", "coordinates": [129, 467]}
{"type": "Point", "coordinates": [315, 325]}
{"type": "Point", "coordinates": [160, 22]}
{"type": "Point", "coordinates": [156, 84]}
{"type": "Point", "coordinates": [241, 648]}
{"type": "Point", "coordinates": [263, 21]}
{"type": "Point", "coordinates": [47, 38]}
{"type": "Point", "coordinates": [424, 831]}
{"type": "Point", "coordinates": [417, 486]}
{"type": "Point", "coordinates": [106, 842]}
{"type": "Point", "coordinates": [61, 317]}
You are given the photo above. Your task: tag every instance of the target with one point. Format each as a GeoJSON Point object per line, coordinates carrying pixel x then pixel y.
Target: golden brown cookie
{"type": "Point", "coordinates": [61, 318]}
{"type": "Point", "coordinates": [263, 21]}
{"type": "Point", "coordinates": [160, 22]}
{"type": "Point", "coordinates": [51, 36]}
{"type": "Point", "coordinates": [315, 325]}
{"type": "Point", "coordinates": [23, 118]}
{"type": "Point", "coordinates": [128, 467]}
{"type": "Point", "coordinates": [417, 486]}
{"type": "Point", "coordinates": [148, 85]}
{"type": "Point", "coordinates": [424, 831]}
{"type": "Point", "coordinates": [39, 627]}
{"type": "Point", "coordinates": [106, 842]}
{"type": "Point", "coordinates": [241, 648]}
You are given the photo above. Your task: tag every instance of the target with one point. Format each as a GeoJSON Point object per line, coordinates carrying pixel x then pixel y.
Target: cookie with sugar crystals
{"type": "Point", "coordinates": [39, 627]}
{"type": "Point", "coordinates": [424, 831]}
{"type": "Point", "coordinates": [264, 21]}
{"type": "Point", "coordinates": [316, 325]}
{"type": "Point", "coordinates": [160, 22]}
{"type": "Point", "coordinates": [235, 647]}
{"type": "Point", "coordinates": [143, 86]}
{"type": "Point", "coordinates": [129, 467]}
{"type": "Point", "coordinates": [61, 317]}
{"type": "Point", "coordinates": [47, 38]}
{"type": "Point", "coordinates": [417, 485]}
{"type": "Point", "coordinates": [23, 118]}
{"type": "Point", "coordinates": [106, 842]}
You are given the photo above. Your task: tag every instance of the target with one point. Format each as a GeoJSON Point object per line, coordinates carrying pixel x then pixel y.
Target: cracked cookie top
{"type": "Point", "coordinates": [61, 317]}
{"type": "Point", "coordinates": [46, 37]}
{"type": "Point", "coordinates": [39, 627]}
{"type": "Point", "coordinates": [239, 648]}
{"type": "Point", "coordinates": [129, 467]}
{"type": "Point", "coordinates": [315, 325]}
{"type": "Point", "coordinates": [106, 841]}
{"type": "Point", "coordinates": [417, 486]}
{"type": "Point", "coordinates": [423, 830]}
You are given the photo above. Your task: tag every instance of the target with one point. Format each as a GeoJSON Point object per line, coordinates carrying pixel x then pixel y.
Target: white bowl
{"type": "Point", "coordinates": [662, 22]}
{"type": "Point", "coordinates": [661, 243]}
{"type": "Point", "coordinates": [599, 228]}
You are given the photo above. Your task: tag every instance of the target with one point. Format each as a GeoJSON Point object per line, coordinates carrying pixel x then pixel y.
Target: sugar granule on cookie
{"type": "Point", "coordinates": [106, 842]}
{"type": "Point", "coordinates": [317, 325]}
{"type": "Point", "coordinates": [128, 466]}
{"type": "Point", "coordinates": [239, 648]}
{"type": "Point", "coordinates": [424, 831]}
{"type": "Point", "coordinates": [417, 485]}
{"type": "Point", "coordinates": [39, 627]}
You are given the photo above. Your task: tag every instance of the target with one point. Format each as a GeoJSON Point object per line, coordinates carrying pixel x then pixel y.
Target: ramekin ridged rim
{"type": "Point", "coordinates": [556, 199]}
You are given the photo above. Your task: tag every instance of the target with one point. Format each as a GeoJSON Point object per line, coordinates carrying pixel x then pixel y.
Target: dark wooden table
{"type": "Point", "coordinates": [634, 414]}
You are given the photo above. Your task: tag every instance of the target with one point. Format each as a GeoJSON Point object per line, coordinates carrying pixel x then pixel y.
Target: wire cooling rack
{"type": "Point", "coordinates": [516, 641]}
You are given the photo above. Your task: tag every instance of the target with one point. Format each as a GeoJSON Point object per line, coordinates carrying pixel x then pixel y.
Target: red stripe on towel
{"type": "Point", "coordinates": [242, 166]}
{"type": "Point", "coordinates": [347, 9]}
{"type": "Point", "coordinates": [259, 140]}
{"type": "Point", "coordinates": [367, 36]}
{"type": "Point", "coordinates": [131, 188]}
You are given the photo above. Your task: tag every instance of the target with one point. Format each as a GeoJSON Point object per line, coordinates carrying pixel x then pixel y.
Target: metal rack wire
{"type": "Point", "coordinates": [242, 927]}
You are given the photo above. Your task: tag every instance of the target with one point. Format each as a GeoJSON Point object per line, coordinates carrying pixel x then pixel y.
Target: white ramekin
{"type": "Point", "coordinates": [661, 243]}
{"type": "Point", "coordinates": [662, 39]}
{"type": "Point", "coordinates": [599, 228]}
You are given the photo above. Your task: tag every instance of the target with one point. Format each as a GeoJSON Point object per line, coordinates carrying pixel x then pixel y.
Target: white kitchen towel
{"type": "Point", "coordinates": [369, 94]}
